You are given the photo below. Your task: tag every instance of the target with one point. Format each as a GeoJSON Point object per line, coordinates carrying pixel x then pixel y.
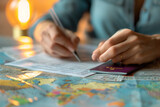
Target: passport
{"type": "Point", "coordinates": [116, 68]}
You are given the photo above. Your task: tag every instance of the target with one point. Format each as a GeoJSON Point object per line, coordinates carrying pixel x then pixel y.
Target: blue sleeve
{"type": "Point", "coordinates": [69, 13]}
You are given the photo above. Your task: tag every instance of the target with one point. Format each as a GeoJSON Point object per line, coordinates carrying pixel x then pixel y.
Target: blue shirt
{"type": "Point", "coordinates": [107, 16]}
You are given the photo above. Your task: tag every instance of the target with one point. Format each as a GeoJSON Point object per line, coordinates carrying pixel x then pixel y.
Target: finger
{"type": "Point", "coordinates": [99, 45]}
{"type": "Point", "coordinates": [56, 51]}
{"type": "Point", "coordinates": [126, 55]}
{"type": "Point", "coordinates": [121, 35]}
{"type": "Point", "coordinates": [51, 47]}
{"type": "Point", "coordinates": [56, 48]}
{"type": "Point", "coordinates": [133, 60]}
{"type": "Point", "coordinates": [75, 41]}
{"type": "Point", "coordinates": [60, 38]}
{"type": "Point", "coordinates": [46, 38]}
{"type": "Point", "coordinates": [47, 50]}
{"type": "Point", "coordinates": [52, 54]}
{"type": "Point", "coordinates": [47, 45]}
{"type": "Point", "coordinates": [73, 38]}
{"type": "Point", "coordinates": [96, 52]}
{"type": "Point", "coordinates": [61, 51]}
{"type": "Point", "coordinates": [117, 49]}
{"type": "Point", "coordinates": [118, 37]}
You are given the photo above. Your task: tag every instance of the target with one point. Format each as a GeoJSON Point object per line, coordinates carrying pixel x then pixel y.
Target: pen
{"type": "Point", "coordinates": [58, 23]}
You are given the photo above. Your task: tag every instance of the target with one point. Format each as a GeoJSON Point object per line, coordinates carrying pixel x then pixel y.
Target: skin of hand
{"type": "Point", "coordinates": [128, 47]}
{"type": "Point", "coordinates": [54, 41]}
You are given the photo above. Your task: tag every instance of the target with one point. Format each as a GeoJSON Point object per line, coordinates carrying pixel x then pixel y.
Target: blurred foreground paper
{"type": "Point", "coordinates": [4, 58]}
{"type": "Point", "coordinates": [43, 62]}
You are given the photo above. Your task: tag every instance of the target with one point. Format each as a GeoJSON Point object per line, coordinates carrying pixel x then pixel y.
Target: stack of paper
{"type": "Point", "coordinates": [43, 62]}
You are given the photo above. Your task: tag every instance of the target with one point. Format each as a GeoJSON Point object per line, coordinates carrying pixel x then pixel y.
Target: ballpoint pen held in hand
{"type": "Point", "coordinates": [58, 23]}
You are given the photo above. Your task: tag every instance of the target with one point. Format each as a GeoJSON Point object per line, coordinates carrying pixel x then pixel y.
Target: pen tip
{"type": "Point", "coordinates": [77, 56]}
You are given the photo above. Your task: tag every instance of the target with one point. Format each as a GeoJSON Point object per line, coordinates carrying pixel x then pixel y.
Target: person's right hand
{"type": "Point", "coordinates": [54, 41]}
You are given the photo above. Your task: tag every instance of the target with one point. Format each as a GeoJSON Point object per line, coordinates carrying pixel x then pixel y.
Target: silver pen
{"type": "Point", "coordinates": [58, 23]}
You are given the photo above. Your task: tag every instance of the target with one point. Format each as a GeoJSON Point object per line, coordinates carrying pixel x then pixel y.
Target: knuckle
{"type": "Point", "coordinates": [135, 38]}
{"type": "Point", "coordinates": [53, 45]}
{"type": "Point", "coordinates": [110, 42]}
{"type": "Point", "coordinates": [43, 32]}
{"type": "Point", "coordinates": [113, 50]}
{"type": "Point", "coordinates": [76, 40]}
{"type": "Point", "coordinates": [139, 47]}
{"type": "Point", "coordinates": [50, 26]}
{"type": "Point", "coordinates": [139, 59]}
{"type": "Point", "coordinates": [54, 37]}
{"type": "Point", "coordinates": [128, 31]}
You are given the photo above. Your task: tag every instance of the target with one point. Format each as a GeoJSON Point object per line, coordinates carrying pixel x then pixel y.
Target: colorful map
{"type": "Point", "coordinates": [20, 87]}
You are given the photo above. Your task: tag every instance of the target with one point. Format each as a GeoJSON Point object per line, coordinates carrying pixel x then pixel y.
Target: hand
{"type": "Point", "coordinates": [128, 47]}
{"type": "Point", "coordinates": [54, 41]}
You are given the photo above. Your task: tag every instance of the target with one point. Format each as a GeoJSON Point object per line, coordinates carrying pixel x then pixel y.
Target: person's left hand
{"type": "Point", "coordinates": [128, 47]}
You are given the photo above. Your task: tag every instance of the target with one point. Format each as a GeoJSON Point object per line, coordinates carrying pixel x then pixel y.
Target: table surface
{"type": "Point", "coordinates": [7, 41]}
{"type": "Point", "coordinates": [21, 87]}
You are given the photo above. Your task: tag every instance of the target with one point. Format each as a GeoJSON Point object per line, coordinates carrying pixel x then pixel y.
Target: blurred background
{"type": "Point", "coordinates": [39, 8]}
{"type": "Point", "coordinates": [5, 27]}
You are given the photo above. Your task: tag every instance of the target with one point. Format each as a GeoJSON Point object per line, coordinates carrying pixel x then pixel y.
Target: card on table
{"type": "Point", "coordinates": [115, 68]}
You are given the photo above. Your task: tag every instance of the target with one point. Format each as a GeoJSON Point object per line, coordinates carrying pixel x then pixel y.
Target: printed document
{"type": "Point", "coordinates": [70, 66]}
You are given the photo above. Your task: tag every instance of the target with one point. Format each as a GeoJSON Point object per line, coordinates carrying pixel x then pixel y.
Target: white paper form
{"type": "Point", "coordinates": [43, 62]}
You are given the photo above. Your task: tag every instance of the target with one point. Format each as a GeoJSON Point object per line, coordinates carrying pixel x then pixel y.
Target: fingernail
{"type": "Point", "coordinates": [94, 57]}
{"type": "Point", "coordinates": [101, 59]}
{"type": "Point", "coordinates": [98, 60]}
